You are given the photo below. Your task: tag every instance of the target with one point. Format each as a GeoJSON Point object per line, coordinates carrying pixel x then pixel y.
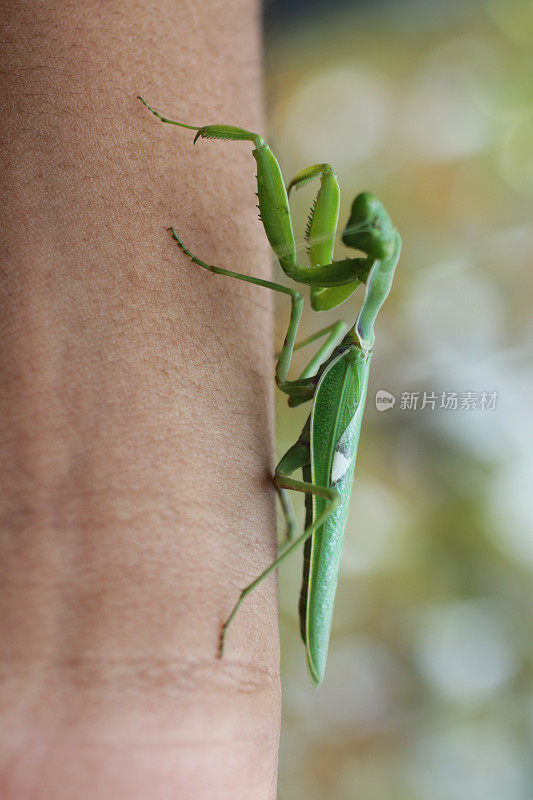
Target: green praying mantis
{"type": "Point", "coordinates": [335, 379]}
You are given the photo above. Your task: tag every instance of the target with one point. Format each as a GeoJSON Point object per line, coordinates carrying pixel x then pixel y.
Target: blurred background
{"type": "Point", "coordinates": [428, 692]}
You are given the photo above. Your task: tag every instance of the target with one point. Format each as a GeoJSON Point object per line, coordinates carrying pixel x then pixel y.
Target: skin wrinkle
{"type": "Point", "coordinates": [173, 675]}
{"type": "Point", "coordinates": [119, 671]}
{"type": "Point", "coordinates": [136, 505]}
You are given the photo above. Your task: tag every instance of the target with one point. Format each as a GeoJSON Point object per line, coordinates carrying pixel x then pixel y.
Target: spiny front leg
{"type": "Point", "coordinates": [321, 231]}
{"type": "Point", "coordinates": [323, 218]}
{"type": "Point", "coordinates": [209, 131]}
{"type": "Point", "coordinates": [276, 218]}
{"type": "Point", "coordinates": [273, 202]}
{"type": "Point", "coordinates": [369, 229]}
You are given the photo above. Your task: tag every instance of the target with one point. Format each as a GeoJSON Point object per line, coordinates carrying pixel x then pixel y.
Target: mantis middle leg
{"type": "Point", "coordinates": [302, 389]}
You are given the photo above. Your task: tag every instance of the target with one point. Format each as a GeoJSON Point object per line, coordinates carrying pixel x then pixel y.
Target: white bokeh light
{"type": "Point", "coordinates": [443, 119]}
{"type": "Point", "coordinates": [464, 650]}
{"type": "Point", "coordinates": [338, 131]}
{"type": "Point", "coordinates": [374, 538]}
{"type": "Point", "coordinates": [471, 761]}
{"type": "Point", "coordinates": [510, 510]}
{"type": "Point", "coordinates": [453, 309]}
{"type": "Point", "coordinates": [359, 692]}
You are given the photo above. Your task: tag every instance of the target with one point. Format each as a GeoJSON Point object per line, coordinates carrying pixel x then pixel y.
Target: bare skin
{"type": "Point", "coordinates": [135, 410]}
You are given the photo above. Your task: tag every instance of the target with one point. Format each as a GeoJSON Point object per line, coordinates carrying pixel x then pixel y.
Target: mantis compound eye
{"type": "Point", "coordinates": [369, 227]}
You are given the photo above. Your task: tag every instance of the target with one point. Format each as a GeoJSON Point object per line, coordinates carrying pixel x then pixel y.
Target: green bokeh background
{"type": "Point", "coordinates": [428, 693]}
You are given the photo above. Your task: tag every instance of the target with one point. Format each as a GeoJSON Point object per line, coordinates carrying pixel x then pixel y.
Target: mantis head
{"type": "Point", "coordinates": [369, 228]}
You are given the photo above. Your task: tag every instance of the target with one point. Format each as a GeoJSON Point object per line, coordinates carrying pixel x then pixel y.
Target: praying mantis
{"type": "Point", "coordinates": [335, 379]}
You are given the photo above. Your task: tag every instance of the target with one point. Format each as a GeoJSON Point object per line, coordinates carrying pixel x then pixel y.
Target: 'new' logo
{"type": "Point", "coordinates": [384, 400]}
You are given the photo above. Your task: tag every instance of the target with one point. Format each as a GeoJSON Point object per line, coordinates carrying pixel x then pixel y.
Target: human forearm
{"type": "Point", "coordinates": [136, 433]}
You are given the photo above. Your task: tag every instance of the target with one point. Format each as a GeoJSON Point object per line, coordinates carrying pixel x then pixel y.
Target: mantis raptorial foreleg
{"type": "Point", "coordinates": [366, 226]}
{"type": "Point", "coordinates": [321, 231]}
{"type": "Point", "coordinates": [284, 482]}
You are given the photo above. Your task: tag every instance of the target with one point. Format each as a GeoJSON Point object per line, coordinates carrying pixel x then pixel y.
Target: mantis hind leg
{"type": "Point", "coordinates": [297, 457]}
{"type": "Point", "coordinates": [284, 482]}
